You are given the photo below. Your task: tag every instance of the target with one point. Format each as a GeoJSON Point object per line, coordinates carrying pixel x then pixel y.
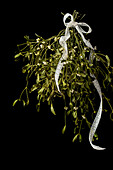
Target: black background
{"type": "Point", "coordinates": [37, 136]}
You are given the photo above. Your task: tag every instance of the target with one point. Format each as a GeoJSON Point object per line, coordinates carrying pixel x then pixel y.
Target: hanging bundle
{"type": "Point", "coordinates": [67, 66]}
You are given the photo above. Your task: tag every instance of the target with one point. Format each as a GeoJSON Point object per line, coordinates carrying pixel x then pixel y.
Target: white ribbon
{"type": "Point", "coordinates": [62, 42]}
{"type": "Point", "coordinates": [99, 113]}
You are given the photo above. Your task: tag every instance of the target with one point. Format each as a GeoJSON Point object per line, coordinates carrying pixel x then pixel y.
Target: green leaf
{"type": "Point", "coordinates": [109, 79]}
{"type": "Point", "coordinates": [83, 75]}
{"type": "Point", "coordinates": [68, 112]}
{"type": "Point", "coordinates": [27, 103]}
{"type": "Point", "coordinates": [52, 109]}
{"type": "Point", "coordinates": [41, 90]}
{"type": "Point", "coordinates": [71, 104]}
{"type": "Point", "coordinates": [34, 87]}
{"type": "Point", "coordinates": [24, 103]}
{"type": "Point", "coordinates": [15, 102]}
{"type": "Point", "coordinates": [108, 60]}
{"type": "Point", "coordinates": [26, 37]}
{"type": "Point", "coordinates": [25, 68]}
{"type": "Point", "coordinates": [38, 106]}
{"type": "Point", "coordinates": [80, 138]}
{"type": "Point", "coordinates": [17, 55]}
{"type": "Point", "coordinates": [74, 114]}
{"type": "Point", "coordinates": [43, 74]}
{"type": "Point", "coordinates": [69, 93]}
{"type": "Point", "coordinates": [75, 138]}
{"type": "Point", "coordinates": [64, 84]}
{"type": "Point", "coordinates": [64, 129]}
{"type": "Point", "coordinates": [79, 83]}
{"type": "Point", "coordinates": [53, 69]}
{"type": "Point", "coordinates": [37, 80]}
{"type": "Point", "coordinates": [87, 85]}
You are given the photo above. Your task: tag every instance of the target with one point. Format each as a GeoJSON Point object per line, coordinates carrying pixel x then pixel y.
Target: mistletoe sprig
{"type": "Point", "coordinates": [41, 57]}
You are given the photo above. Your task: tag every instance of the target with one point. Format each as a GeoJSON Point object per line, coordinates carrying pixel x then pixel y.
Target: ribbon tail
{"type": "Point", "coordinates": [97, 118]}
{"type": "Point", "coordinates": [62, 42]}
{"type": "Point", "coordinates": [57, 73]}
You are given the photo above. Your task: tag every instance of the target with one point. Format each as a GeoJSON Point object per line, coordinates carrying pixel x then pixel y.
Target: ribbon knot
{"type": "Point", "coordinates": [78, 28]}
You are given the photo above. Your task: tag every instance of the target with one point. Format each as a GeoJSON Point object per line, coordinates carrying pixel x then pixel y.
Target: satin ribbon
{"type": "Point", "coordinates": [99, 113]}
{"type": "Point", "coordinates": [62, 42]}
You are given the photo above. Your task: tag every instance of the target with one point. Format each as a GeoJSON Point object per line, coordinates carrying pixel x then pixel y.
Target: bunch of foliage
{"type": "Point", "coordinates": [41, 57]}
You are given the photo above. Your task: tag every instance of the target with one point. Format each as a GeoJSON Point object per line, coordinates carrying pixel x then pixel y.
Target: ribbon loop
{"type": "Point", "coordinates": [85, 25]}
{"type": "Point", "coordinates": [65, 17]}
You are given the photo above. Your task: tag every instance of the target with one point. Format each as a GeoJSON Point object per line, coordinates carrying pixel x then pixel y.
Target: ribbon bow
{"type": "Point", "coordinates": [62, 42]}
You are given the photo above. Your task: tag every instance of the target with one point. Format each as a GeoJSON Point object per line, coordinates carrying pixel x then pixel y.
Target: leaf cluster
{"type": "Point", "coordinates": [41, 57]}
